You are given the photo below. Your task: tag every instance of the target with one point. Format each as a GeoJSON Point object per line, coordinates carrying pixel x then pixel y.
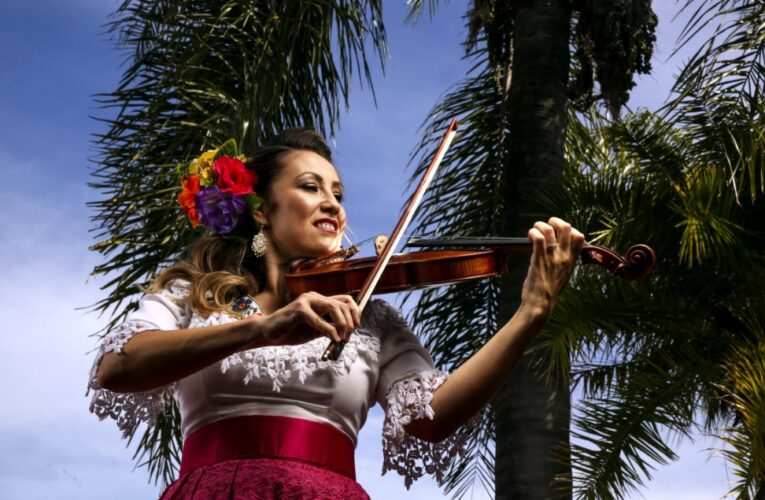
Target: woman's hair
{"type": "Point", "coordinates": [220, 269]}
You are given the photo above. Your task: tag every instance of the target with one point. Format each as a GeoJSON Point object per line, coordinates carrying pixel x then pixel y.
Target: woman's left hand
{"type": "Point", "coordinates": [556, 247]}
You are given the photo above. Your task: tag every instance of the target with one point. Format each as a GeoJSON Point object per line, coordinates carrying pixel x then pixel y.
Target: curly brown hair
{"type": "Point", "coordinates": [221, 269]}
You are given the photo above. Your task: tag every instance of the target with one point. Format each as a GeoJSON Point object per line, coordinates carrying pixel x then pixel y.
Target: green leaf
{"type": "Point", "coordinates": [253, 202]}
{"type": "Point", "coordinates": [228, 148]}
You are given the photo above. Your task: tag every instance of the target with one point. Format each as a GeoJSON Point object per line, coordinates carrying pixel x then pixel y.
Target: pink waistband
{"type": "Point", "coordinates": [264, 436]}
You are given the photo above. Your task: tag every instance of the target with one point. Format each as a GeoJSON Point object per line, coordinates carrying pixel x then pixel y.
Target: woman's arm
{"type": "Point", "coordinates": [474, 383]}
{"type": "Point", "coordinates": [154, 358]}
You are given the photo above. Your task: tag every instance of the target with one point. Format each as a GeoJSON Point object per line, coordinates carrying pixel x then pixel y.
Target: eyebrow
{"type": "Point", "coordinates": [321, 179]}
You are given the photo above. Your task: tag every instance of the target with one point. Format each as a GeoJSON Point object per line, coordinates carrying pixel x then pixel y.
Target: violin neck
{"type": "Point", "coordinates": [468, 242]}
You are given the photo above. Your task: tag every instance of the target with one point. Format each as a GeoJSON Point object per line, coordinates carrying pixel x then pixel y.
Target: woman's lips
{"type": "Point", "coordinates": [326, 225]}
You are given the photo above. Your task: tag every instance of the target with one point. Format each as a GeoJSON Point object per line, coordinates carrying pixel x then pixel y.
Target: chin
{"type": "Point", "coordinates": [317, 251]}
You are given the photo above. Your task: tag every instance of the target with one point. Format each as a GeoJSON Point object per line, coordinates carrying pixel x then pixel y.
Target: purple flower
{"type": "Point", "coordinates": [218, 210]}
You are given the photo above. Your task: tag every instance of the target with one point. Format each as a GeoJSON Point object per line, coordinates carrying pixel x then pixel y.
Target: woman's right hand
{"type": "Point", "coordinates": [309, 316]}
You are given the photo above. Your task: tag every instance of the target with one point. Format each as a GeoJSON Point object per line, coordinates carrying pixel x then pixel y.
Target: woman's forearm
{"type": "Point", "coordinates": [154, 358]}
{"type": "Point", "coordinates": [556, 247]}
{"type": "Point", "coordinates": [473, 384]}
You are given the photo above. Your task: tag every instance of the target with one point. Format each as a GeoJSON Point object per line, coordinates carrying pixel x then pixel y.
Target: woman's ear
{"type": "Point", "coordinates": [260, 215]}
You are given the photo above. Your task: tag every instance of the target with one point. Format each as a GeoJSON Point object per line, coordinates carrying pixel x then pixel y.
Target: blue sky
{"type": "Point", "coordinates": [54, 58]}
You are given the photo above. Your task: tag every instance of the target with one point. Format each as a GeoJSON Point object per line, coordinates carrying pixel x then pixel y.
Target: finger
{"type": "Point", "coordinates": [538, 243]}
{"type": "Point", "coordinates": [562, 232]}
{"type": "Point", "coordinates": [351, 309]}
{"type": "Point", "coordinates": [546, 230]}
{"type": "Point", "coordinates": [333, 308]}
{"type": "Point", "coordinates": [324, 327]}
{"type": "Point", "coordinates": [577, 241]}
{"type": "Point", "coordinates": [346, 310]}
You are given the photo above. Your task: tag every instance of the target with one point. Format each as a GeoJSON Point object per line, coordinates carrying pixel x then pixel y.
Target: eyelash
{"type": "Point", "coordinates": [314, 188]}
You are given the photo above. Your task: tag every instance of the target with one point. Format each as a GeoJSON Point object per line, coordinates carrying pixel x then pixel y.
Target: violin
{"type": "Point", "coordinates": [389, 273]}
{"type": "Point", "coordinates": [410, 271]}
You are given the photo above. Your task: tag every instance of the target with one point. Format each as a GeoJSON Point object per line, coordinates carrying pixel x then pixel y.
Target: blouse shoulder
{"type": "Point", "coordinates": [400, 349]}
{"type": "Point", "coordinates": [381, 317]}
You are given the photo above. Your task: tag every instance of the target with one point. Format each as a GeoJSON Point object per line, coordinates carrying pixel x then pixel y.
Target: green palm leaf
{"type": "Point", "coordinates": [725, 79]}
{"type": "Point", "coordinates": [651, 357]}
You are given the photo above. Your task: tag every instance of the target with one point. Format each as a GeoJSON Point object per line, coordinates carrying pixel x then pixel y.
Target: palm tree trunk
{"type": "Point", "coordinates": [533, 414]}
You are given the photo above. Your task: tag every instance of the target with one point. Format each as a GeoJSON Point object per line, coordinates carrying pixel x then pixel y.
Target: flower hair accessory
{"type": "Point", "coordinates": [217, 189]}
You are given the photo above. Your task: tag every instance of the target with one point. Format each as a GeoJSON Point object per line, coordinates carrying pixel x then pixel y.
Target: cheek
{"type": "Point", "coordinates": [298, 205]}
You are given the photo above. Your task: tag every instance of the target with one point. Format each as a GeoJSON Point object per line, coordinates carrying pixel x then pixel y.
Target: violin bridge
{"type": "Point", "coordinates": [349, 252]}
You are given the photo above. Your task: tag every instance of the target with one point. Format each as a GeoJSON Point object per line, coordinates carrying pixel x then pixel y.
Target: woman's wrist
{"type": "Point", "coordinates": [253, 332]}
{"type": "Point", "coordinates": [537, 312]}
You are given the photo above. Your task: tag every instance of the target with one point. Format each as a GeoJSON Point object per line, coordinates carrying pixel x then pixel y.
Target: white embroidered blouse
{"type": "Point", "coordinates": [383, 362]}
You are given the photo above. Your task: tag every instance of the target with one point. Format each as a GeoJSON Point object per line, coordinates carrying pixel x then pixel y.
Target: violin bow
{"type": "Point", "coordinates": [334, 350]}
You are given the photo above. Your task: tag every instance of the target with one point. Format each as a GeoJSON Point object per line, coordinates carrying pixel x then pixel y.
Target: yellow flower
{"type": "Point", "coordinates": [203, 167]}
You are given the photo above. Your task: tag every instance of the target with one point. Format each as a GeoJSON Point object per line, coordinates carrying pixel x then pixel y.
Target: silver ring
{"type": "Point", "coordinates": [551, 248]}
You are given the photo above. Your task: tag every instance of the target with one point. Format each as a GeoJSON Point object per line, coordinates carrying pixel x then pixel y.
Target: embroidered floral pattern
{"type": "Point", "coordinates": [130, 409]}
{"type": "Point", "coordinates": [282, 364]}
{"type": "Point", "coordinates": [264, 479]}
{"type": "Point", "coordinates": [246, 306]}
{"type": "Point", "coordinates": [409, 399]}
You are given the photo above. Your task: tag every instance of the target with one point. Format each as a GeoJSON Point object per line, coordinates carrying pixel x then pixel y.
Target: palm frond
{"type": "Point", "coordinates": [160, 446]}
{"type": "Point", "coordinates": [648, 355]}
{"type": "Point", "coordinates": [719, 93]}
{"type": "Point", "coordinates": [730, 63]}
{"type": "Point", "coordinates": [745, 391]}
{"type": "Point", "coordinates": [617, 440]}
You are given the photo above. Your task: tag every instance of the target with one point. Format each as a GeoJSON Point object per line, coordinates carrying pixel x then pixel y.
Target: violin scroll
{"type": "Point", "coordinates": [637, 263]}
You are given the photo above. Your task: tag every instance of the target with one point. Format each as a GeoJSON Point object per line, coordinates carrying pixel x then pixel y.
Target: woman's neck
{"type": "Point", "coordinates": [273, 292]}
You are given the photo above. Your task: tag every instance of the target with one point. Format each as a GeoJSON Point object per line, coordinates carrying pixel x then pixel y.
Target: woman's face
{"type": "Point", "coordinates": [303, 215]}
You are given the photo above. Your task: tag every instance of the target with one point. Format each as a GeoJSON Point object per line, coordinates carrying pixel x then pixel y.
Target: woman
{"type": "Point", "coordinates": [261, 414]}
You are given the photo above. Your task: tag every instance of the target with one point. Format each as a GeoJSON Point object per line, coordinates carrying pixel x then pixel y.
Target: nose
{"type": "Point", "coordinates": [330, 204]}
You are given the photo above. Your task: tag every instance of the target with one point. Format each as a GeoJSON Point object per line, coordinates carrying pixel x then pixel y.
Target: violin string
{"type": "Point", "coordinates": [348, 229]}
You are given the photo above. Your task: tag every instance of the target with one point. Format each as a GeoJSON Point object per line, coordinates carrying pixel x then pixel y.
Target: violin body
{"type": "Point", "coordinates": [415, 270]}
{"type": "Point", "coordinates": [404, 272]}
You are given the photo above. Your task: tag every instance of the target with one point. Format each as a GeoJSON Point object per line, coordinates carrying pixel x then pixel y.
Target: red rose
{"type": "Point", "coordinates": [186, 198]}
{"type": "Point", "coordinates": [233, 176]}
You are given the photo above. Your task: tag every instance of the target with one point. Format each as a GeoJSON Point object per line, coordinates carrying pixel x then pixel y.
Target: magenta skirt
{"type": "Point", "coordinates": [266, 479]}
{"type": "Point", "coordinates": [264, 457]}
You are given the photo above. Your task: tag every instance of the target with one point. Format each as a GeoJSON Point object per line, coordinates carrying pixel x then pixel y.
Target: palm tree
{"type": "Point", "coordinates": [657, 360]}
{"type": "Point", "coordinates": [514, 109]}
{"type": "Point", "coordinates": [654, 360]}
{"type": "Point", "coordinates": [686, 353]}
{"type": "Point", "coordinates": [198, 73]}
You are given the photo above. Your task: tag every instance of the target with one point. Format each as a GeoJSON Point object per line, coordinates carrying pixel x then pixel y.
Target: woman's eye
{"type": "Point", "coordinates": [310, 187]}
{"type": "Point", "coordinates": [339, 197]}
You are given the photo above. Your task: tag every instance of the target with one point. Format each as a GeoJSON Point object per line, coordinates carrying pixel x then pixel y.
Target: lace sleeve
{"type": "Point", "coordinates": [167, 310]}
{"type": "Point", "coordinates": [405, 389]}
{"type": "Point", "coordinates": [409, 399]}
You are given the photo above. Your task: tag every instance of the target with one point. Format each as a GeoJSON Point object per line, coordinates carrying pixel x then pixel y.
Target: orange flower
{"type": "Point", "coordinates": [187, 198]}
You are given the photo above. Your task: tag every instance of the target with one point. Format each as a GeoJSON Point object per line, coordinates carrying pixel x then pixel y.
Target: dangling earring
{"type": "Point", "coordinates": [259, 244]}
